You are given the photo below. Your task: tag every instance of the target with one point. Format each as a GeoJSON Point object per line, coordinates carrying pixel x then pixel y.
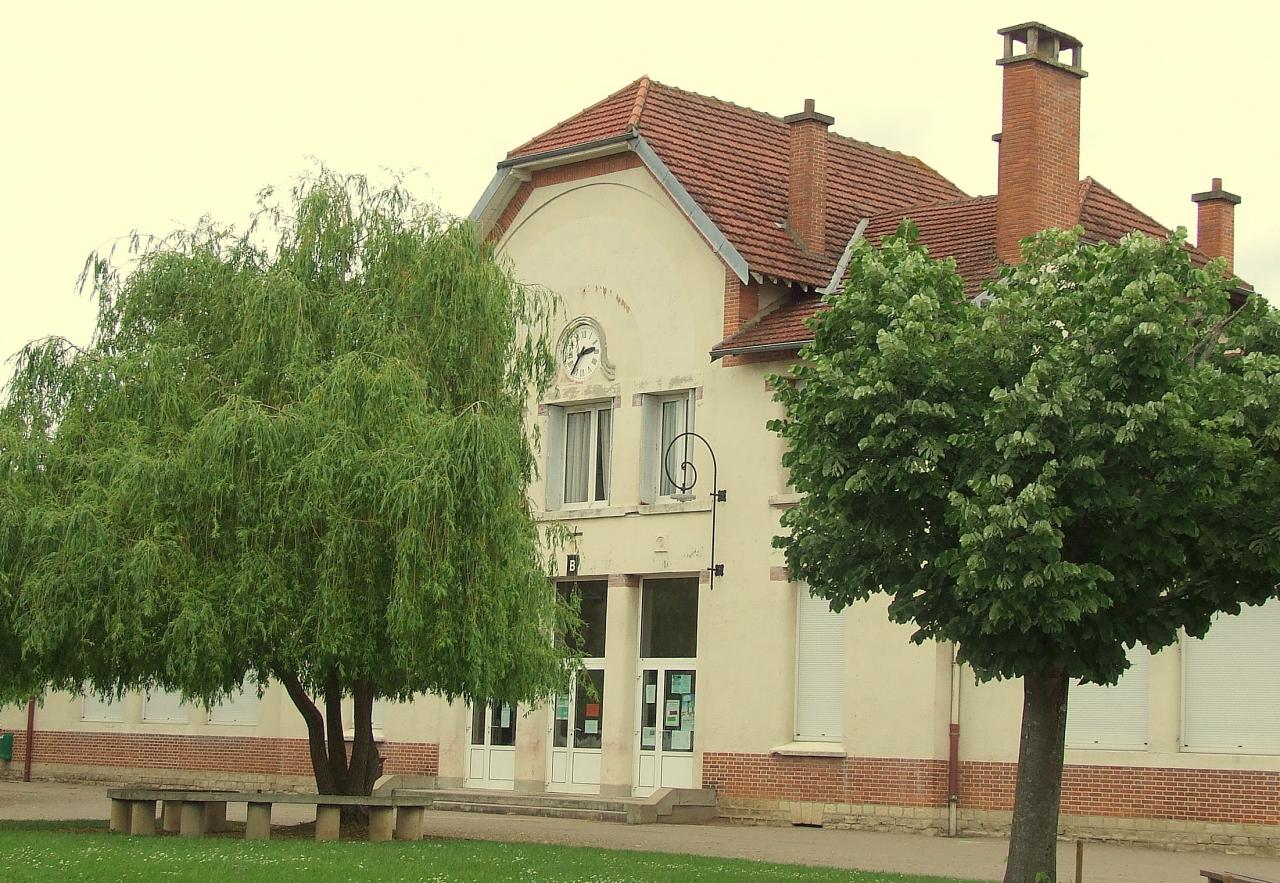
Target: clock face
{"type": "Point", "coordinates": [580, 353]}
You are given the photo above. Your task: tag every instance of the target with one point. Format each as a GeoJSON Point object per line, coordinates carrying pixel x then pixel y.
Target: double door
{"type": "Point", "coordinates": [668, 702]}
{"type": "Point", "coordinates": [577, 735]}
{"type": "Point", "coordinates": [491, 746]}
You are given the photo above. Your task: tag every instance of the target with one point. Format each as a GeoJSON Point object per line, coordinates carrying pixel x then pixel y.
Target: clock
{"type": "Point", "coordinates": [581, 349]}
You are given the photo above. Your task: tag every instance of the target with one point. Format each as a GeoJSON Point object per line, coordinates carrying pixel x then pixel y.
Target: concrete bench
{"type": "Point", "coordinates": [1228, 877]}
{"type": "Point", "coordinates": [193, 813]}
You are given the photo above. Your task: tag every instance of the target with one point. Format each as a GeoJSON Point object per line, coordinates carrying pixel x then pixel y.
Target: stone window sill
{"type": "Point", "coordinates": [810, 749]}
{"type": "Point", "coordinates": [669, 506]}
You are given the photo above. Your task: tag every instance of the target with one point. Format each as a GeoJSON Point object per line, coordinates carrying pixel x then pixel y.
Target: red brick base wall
{"type": "Point", "coordinates": [1249, 797]}
{"type": "Point", "coordinates": [889, 780]}
{"type": "Point", "coordinates": [241, 754]}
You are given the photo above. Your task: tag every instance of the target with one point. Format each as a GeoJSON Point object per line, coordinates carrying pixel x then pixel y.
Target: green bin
{"type": "Point", "coordinates": [6, 746]}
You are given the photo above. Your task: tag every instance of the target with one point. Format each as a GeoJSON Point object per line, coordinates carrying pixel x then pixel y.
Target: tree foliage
{"type": "Point", "coordinates": [298, 452]}
{"type": "Point", "coordinates": [1087, 463]}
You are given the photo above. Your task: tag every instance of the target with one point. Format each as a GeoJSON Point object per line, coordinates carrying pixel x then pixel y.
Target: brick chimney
{"type": "Point", "coordinates": [1039, 177]}
{"type": "Point", "coordinates": [807, 182]}
{"type": "Point", "coordinates": [1216, 223]}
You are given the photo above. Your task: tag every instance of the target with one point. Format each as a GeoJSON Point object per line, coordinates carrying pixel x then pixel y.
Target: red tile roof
{"type": "Point", "coordinates": [732, 160]}
{"type": "Point", "coordinates": [964, 229]}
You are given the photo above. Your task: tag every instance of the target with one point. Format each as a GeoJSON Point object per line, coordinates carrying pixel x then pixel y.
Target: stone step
{"type": "Point", "coordinates": [527, 809]}
{"type": "Point", "coordinates": [512, 798]}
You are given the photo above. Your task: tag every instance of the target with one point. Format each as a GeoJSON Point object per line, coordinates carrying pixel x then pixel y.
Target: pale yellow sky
{"type": "Point", "coordinates": [147, 115]}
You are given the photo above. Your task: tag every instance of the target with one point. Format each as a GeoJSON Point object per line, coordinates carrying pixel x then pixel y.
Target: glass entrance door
{"type": "Point", "coordinates": [577, 729]}
{"type": "Point", "coordinates": [491, 746]}
{"type": "Point", "coordinates": [668, 701]}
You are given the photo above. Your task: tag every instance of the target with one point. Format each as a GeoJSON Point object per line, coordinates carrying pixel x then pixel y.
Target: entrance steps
{"type": "Point", "coordinates": [666, 805]}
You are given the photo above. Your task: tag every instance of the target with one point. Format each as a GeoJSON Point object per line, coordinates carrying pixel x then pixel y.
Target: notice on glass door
{"type": "Point", "coordinates": [681, 740]}
{"type": "Point", "coordinates": [649, 737]}
{"type": "Point", "coordinates": [562, 708]}
{"type": "Point", "coordinates": [672, 720]}
{"type": "Point", "coordinates": [650, 692]}
{"type": "Point", "coordinates": [681, 684]}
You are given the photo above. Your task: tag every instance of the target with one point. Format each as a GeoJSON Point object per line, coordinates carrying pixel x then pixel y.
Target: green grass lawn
{"type": "Point", "coordinates": [84, 851]}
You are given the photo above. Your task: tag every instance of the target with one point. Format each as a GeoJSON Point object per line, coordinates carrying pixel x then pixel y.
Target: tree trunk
{"type": "Point", "coordinates": [364, 753]}
{"type": "Point", "coordinates": [334, 729]}
{"type": "Point", "coordinates": [1033, 842]}
{"type": "Point", "coordinates": [315, 731]}
{"type": "Point", "coordinates": [335, 773]}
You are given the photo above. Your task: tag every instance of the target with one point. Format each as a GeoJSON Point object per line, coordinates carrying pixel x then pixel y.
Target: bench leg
{"type": "Point", "coordinates": [119, 816]}
{"type": "Point", "coordinates": [328, 821]}
{"type": "Point", "coordinates": [171, 816]}
{"type": "Point", "coordinates": [215, 816]}
{"type": "Point", "coordinates": [192, 824]}
{"type": "Point", "coordinates": [257, 824]}
{"type": "Point", "coordinates": [381, 823]}
{"type": "Point", "coordinates": [409, 822]}
{"type": "Point", "coordinates": [142, 817]}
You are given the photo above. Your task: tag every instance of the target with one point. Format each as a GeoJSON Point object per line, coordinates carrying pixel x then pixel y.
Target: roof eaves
{"type": "Point", "coordinates": [719, 352]}
{"type": "Point", "coordinates": [511, 172]}
{"type": "Point", "coordinates": [557, 156]}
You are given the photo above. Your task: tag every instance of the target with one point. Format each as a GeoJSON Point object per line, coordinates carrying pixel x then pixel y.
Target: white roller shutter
{"type": "Point", "coordinates": [161, 705]}
{"type": "Point", "coordinates": [819, 670]}
{"type": "Point", "coordinates": [98, 708]}
{"type": "Point", "coordinates": [238, 708]}
{"type": "Point", "coordinates": [1231, 684]}
{"type": "Point", "coordinates": [1111, 717]}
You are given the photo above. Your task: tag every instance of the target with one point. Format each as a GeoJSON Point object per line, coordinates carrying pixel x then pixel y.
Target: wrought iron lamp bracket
{"type": "Point", "coordinates": [718, 494]}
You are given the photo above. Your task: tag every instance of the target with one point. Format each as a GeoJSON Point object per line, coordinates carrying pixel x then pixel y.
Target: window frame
{"type": "Point", "coordinates": [558, 454]}
{"type": "Point", "coordinates": [652, 472]}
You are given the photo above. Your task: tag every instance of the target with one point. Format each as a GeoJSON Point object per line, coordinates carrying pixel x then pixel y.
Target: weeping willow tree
{"type": "Point", "coordinates": [296, 452]}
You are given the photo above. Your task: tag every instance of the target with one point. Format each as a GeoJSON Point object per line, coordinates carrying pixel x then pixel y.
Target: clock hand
{"type": "Point", "coordinates": [586, 352]}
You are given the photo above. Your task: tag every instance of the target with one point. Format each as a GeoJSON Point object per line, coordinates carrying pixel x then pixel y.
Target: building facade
{"type": "Point", "coordinates": [689, 239]}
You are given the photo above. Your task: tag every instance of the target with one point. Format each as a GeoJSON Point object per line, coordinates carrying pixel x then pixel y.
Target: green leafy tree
{"type": "Point", "coordinates": [1088, 463]}
{"type": "Point", "coordinates": [296, 452]}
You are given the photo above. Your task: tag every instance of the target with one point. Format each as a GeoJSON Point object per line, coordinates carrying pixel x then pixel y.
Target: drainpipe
{"type": "Point", "coordinates": [953, 757]}
{"type": "Point", "coordinates": [31, 732]}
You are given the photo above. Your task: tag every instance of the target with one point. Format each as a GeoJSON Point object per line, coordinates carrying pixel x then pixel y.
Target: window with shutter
{"type": "Point", "coordinates": [1230, 685]}
{"type": "Point", "coordinates": [240, 707]}
{"type": "Point", "coordinates": [1114, 716]}
{"type": "Point", "coordinates": [102, 708]}
{"type": "Point", "coordinates": [165, 707]}
{"type": "Point", "coordinates": [820, 638]}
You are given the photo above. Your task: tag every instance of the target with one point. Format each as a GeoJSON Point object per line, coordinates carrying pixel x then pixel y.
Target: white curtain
{"type": "Point", "coordinates": [673, 423]}
{"type": "Point", "coordinates": [577, 444]}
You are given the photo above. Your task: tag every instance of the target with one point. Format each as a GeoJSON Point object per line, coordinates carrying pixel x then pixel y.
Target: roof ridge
{"type": "Point", "coordinates": [642, 93]}
{"type": "Point", "coordinates": [888, 151]}
{"type": "Point", "coordinates": [594, 104]}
